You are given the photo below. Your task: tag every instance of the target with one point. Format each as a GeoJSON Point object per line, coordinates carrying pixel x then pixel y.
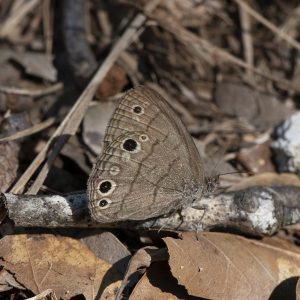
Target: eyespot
{"type": "Point", "coordinates": [144, 138]}
{"type": "Point", "coordinates": [131, 145]}
{"type": "Point", "coordinates": [104, 203]}
{"type": "Point", "coordinates": [106, 187]}
{"type": "Point", "coordinates": [137, 109]}
{"type": "Point", "coordinates": [114, 170]}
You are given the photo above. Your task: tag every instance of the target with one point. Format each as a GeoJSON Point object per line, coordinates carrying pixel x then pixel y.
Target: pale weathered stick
{"type": "Point", "coordinates": [12, 21]}
{"type": "Point", "coordinates": [247, 38]}
{"type": "Point", "coordinates": [71, 122]}
{"type": "Point", "coordinates": [256, 210]}
{"type": "Point", "coordinates": [33, 93]}
{"type": "Point", "coordinates": [29, 131]}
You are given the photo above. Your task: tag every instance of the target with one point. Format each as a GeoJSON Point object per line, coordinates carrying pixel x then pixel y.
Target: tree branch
{"type": "Point", "coordinates": [256, 210]}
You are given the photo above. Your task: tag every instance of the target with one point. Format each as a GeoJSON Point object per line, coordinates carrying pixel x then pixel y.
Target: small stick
{"type": "Point", "coordinates": [247, 38]}
{"type": "Point", "coordinates": [17, 17]}
{"type": "Point", "coordinates": [29, 131]}
{"type": "Point", "coordinates": [34, 93]}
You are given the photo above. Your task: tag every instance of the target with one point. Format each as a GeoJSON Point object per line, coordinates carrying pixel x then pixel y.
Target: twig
{"type": "Point", "coordinates": [47, 25]}
{"type": "Point", "coordinates": [71, 122]}
{"type": "Point", "coordinates": [17, 17]}
{"type": "Point", "coordinates": [33, 93]}
{"type": "Point", "coordinates": [247, 38]}
{"type": "Point", "coordinates": [268, 24]}
{"type": "Point", "coordinates": [29, 131]}
{"type": "Point", "coordinates": [291, 23]}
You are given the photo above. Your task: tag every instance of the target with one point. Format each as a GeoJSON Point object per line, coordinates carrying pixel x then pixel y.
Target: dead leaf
{"type": "Point", "coordinates": [139, 262]}
{"type": "Point", "coordinates": [94, 124]}
{"type": "Point", "coordinates": [113, 83]}
{"type": "Point", "coordinates": [224, 266]}
{"type": "Point", "coordinates": [65, 265]}
{"type": "Point", "coordinates": [9, 151]}
{"type": "Point", "coordinates": [108, 247]}
{"type": "Point", "coordinates": [8, 282]}
{"type": "Point", "coordinates": [8, 164]}
{"type": "Point", "coordinates": [45, 295]}
{"type": "Point", "coordinates": [75, 151]}
{"type": "Point", "coordinates": [158, 283]}
{"type": "Point", "coordinates": [262, 110]}
{"type": "Point", "coordinates": [267, 179]}
{"type": "Point", "coordinates": [257, 159]}
{"type": "Point", "coordinates": [37, 64]}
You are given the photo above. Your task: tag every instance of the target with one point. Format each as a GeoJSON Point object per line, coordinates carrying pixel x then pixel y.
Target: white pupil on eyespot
{"type": "Point", "coordinates": [104, 203]}
{"type": "Point", "coordinates": [138, 109]}
{"type": "Point", "coordinates": [143, 138]}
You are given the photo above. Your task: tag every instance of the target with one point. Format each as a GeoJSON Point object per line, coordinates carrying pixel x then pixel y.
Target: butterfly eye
{"type": "Point", "coordinates": [106, 187]}
{"type": "Point", "coordinates": [138, 110]}
{"type": "Point", "coordinates": [104, 203]}
{"type": "Point", "coordinates": [131, 145]}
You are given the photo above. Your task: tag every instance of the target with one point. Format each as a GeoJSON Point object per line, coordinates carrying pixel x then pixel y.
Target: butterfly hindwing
{"type": "Point", "coordinates": [149, 165]}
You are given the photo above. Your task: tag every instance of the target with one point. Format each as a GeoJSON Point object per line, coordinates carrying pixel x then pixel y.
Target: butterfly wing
{"type": "Point", "coordinates": [150, 164]}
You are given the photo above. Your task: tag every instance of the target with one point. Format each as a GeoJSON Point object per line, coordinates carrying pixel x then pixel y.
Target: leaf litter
{"type": "Point", "coordinates": [232, 73]}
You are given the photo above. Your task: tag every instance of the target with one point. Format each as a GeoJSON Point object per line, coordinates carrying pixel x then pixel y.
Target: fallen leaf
{"type": "Point", "coordinates": [267, 179]}
{"type": "Point", "coordinates": [94, 124]}
{"type": "Point", "coordinates": [138, 264]}
{"type": "Point", "coordinates": [65, 265]}
{"type": "Point", "coordinates": [225, 266]}
{"type": "Point", "coordinates": [37, 64]}
{"type": "Point", "coordinates": [109, 248]}
{"type": "Point", "coordinates": [158, 283]}
{"type": "Point", "coordinates": [8, 281]}
{"type": "Point", "coordinates": [257, 159]}
{"type": "Point", "coordinates": [262, 110]}
{"type": "Point", "coordinates": [45, 295]}
{"type": "Point", "coordinates": [113, 83]}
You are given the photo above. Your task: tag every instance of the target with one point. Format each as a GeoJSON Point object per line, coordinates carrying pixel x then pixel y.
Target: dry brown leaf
{"type": "Point", "coordinates": [139, 262]}
{"type": "Point", "coordinates": [94, 124]}
{"type": "Point", "coordinates": [108, 247]}
{"type": "Point", "coordinates": [8, 164]}
{"type": "Point", "coordinates": [262, 110]}
{"type": "Point", "coordinates": [8, 281]}
{"type": "Point", "coordinates": [45, 295]}
{"type": "Point", "coordinates": [113, 83]}
{"type": "Point", "coordinates": [158, 283]}
{"type": "Point", "coordinates": [65, 265]}
{"type": "Point", "coordinates": [37, 64]}
{"type": "Point", "coordinates": [257, 158]}
{"type": "Point", "coordinates": [281, 241]}
{"type": "Point", "coordinates": [267, 179]}
{"type": "Point", "coordinates": [225, 266]}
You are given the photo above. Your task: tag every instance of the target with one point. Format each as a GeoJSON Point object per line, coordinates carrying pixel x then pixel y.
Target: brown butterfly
{"type": "Point", "coordinates": [149, 165]}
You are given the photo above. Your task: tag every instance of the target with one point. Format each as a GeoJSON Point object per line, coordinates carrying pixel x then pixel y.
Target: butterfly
{"type": "Point", "coordinates": [149, 165]}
